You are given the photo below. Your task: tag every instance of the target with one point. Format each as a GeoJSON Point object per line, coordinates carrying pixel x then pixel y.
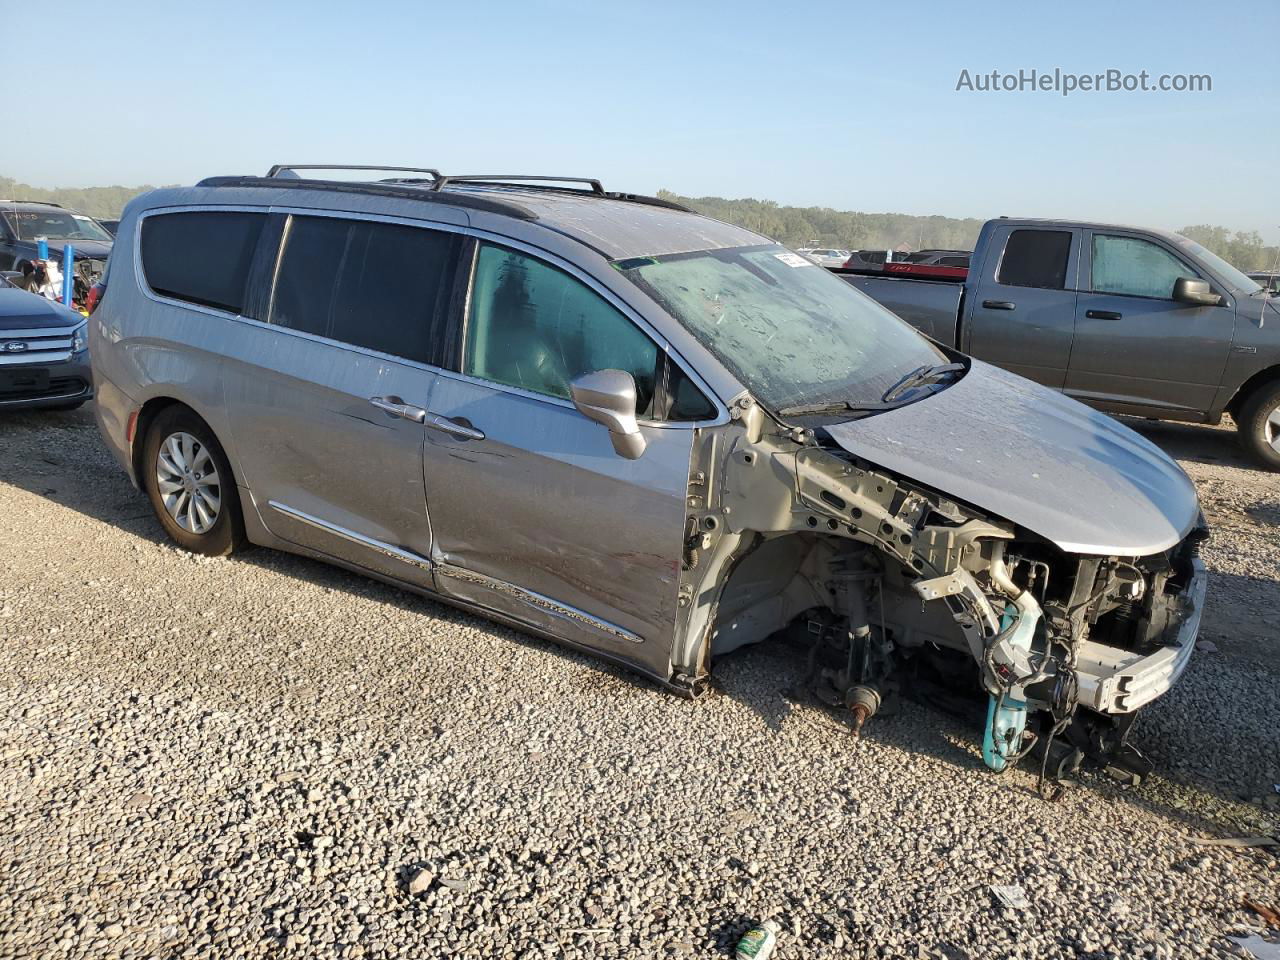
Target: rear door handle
{"type": "Point", "coordinates": [398, 408]}
{"type": "Point", "coordinates": [999, 305]}
{"type": "Point", "coordinates": [436, 422]}
{"type": "Point", "coordinates": [1103, 315]}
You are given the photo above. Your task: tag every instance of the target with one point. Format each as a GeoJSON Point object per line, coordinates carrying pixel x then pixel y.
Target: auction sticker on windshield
{"type": "Point", "coordinates": [794, 260]}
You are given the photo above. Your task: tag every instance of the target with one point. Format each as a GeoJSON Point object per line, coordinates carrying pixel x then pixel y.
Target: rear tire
{"type": "Point", "coordinates": [190, 485]}
{"type": "Point", "coordinates": [1259, 425]}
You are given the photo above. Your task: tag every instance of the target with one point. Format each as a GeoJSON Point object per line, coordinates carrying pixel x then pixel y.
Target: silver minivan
{"type": "Point", "coordinates": [612, 422]}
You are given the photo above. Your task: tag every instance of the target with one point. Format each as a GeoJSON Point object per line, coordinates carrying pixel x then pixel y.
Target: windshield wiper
{"type": "Point", "coordinates": [891, 399]}
{"type": "Point", "coordinates": [833, 407]}
{"type": "Point", "coordinates": [815, 409]}
{"type": "Point", "coordinates": [919, 377]}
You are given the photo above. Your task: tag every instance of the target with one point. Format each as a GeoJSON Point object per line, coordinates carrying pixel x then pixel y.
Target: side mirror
{"type": "Point", "coordinates": [1197, 292]}
{"type": "Point", "coordinates": [609, 397]}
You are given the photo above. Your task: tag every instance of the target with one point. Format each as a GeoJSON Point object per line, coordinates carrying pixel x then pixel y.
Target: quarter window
{"type": "Point", "coordinates": [201, 257]}
{"type": "Point", "coordinates": [1134, 267]}
{"type": "Point", "coordinates": [1036, 258]}
{"type": "Point", "coordinates": [533, 326]}
{"type": "Point", "coordinates": [369, 284]}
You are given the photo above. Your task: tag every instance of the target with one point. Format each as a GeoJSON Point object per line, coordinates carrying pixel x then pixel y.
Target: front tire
{"type": "Point", "coordinates": [1259, 426]}
{"type": "Point", "coordinates": [190, 485]}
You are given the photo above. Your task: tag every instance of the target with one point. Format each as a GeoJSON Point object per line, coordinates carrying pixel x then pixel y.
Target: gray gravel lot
{"type": "Point", "coordinates": [264, 756]}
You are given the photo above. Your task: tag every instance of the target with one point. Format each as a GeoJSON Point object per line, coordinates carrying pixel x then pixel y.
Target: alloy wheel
{"type": "Point", "coordinates": [1271, 429]}
{"type": "Point", "coordinates": [187, 479]}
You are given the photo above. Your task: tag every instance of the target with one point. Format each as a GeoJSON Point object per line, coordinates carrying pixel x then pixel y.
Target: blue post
{"type": "Point", "coordinates": [42, 249]}
{"type": "Point", "coordinates": [68, 278]}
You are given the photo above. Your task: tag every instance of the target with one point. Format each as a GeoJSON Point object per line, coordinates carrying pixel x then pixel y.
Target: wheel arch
{"type": "Point", "coordinates": [1259, 381]}
{"type": "Point", "coordinates": [149, 412]}
{"type": "Point", "coordinates": [146, 417]}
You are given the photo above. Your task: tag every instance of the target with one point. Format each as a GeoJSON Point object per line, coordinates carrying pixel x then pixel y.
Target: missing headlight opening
{"type": "Point", "coordinates": [886, 588]}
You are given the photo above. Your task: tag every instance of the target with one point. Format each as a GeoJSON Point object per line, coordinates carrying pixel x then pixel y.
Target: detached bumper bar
{"type": "Point", "coordinates": [1112, 680]}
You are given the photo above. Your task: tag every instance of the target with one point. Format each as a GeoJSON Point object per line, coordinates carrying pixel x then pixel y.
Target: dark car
{"type": "Point", "coordinates": [940, 258]}
{"type": "Point", "coordinates": [111, 226]}
{"type": "Point", "coordinates": [23, 221]}
{"type": "Point", "coordinates": [868, 259]}
{"type": "Point", "coordinates": [44, 357]}
{"type": "Point", "coordinates": [1268, 281]}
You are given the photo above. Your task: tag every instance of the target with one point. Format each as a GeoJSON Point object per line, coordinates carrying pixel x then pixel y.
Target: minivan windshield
{"type": "Point", "coordinates": [791, 331]}
{"type": "Point", "coordinates": [54, 225]}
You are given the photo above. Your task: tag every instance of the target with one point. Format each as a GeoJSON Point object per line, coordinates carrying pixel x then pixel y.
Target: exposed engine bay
{"type": "Point", "coordinates": [883, 584]}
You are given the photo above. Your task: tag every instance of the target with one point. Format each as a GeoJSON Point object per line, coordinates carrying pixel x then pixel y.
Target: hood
{"type": "Point", "coordinates": [1029, 454]}
{"type": "Point", "coordinates": [1251, 308]}
{"type": "Point", "coordinates": [20, 310]}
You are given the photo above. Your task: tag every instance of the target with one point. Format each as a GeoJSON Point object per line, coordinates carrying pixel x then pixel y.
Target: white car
{"type": "Point", "coordinates": [826, 256]}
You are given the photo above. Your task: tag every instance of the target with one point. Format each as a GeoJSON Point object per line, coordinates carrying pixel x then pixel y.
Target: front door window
{"type": "Point", "coordinates": [537, 328]}
{"type": "Point", "coordinates": [1135, 268]}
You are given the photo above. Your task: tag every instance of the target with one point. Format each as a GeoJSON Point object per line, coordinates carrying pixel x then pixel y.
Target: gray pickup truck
{"type": "Point", "coordinates": [1126, 319]}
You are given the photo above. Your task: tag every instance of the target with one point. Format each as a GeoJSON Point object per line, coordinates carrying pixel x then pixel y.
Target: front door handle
{"type": "Point", "coordinates": [1103, 315]}
{"type": "Point", "coordinates": [436, 422]}
{"type": "Point", "coordinates": [999, 304]}
{"type": "Point", "coordinates": [398, 408]}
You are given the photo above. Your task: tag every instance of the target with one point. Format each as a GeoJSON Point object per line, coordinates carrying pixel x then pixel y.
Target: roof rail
{"type": "Point", "coordinates": [43, 203]}
{"type": "Point", "coordinates": [280, 168]}
{"type": "Point", "coordinates": [378, 189]}
{"type": "Point", "coordinates": [283, 173]}
{"type": "Point", "coordinates": [515, 179]}
{"type": "Point", "coordinates": [595, 189]}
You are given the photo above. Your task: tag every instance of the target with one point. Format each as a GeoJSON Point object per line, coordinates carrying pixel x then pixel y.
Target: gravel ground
{"type": "Point", "coordinates": [267, 756]}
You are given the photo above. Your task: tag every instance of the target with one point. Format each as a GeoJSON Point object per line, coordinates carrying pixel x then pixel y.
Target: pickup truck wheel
{"type": "Point", "coordinates": [1259, 425]}
{"type": "Point", "coordinates": [190, 485]}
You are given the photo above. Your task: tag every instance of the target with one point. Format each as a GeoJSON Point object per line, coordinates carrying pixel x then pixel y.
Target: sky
{"type": "Point", "coordinates": [846, 105]}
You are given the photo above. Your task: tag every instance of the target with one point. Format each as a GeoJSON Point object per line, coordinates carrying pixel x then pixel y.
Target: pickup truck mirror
{"type": "Point", "coordinates": [1186, 290]}
{"type": "Point", "coordinates": [609, 397]}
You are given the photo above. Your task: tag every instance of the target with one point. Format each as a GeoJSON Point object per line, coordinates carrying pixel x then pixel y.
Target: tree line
{"type": "Point", "coordinates": [792, 226]}
{"type": "Point", "coordinates": [104, 203]}
{"type": "Point", "coordinates": [854, 230]}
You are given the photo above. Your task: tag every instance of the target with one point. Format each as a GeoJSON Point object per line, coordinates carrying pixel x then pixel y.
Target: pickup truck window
{"type": "Point", "coordinates": [1035, 258]}
{"type": "Point", "coordinates": [791, 331]}
{"type": "Point", "coordinates": [1135, 267]}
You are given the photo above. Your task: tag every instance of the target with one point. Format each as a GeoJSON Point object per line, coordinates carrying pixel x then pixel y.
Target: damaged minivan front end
{"type": "Point", "coordinates": [913, 518]}
{"type": "Point", "coordinates": [883, 580]}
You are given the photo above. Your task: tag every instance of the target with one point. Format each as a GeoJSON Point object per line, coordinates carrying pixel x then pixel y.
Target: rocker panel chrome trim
{"type": "Point", "coordinates": [396, 553]}
{"type": "Point", "coordinates": [537, 600]}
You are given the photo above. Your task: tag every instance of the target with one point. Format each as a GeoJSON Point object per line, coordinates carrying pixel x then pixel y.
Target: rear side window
{"type": "Point", "coordinates": [1036, 258]}
{"type": "Point", "coordinates": [372, 285]}
{"type": "Point", "coordinates": [201, 257]}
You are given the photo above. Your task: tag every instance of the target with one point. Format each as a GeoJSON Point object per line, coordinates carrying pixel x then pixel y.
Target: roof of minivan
{"type": "Point", "coordinates": [621, 228]}
{"type": "Point", "coordinates": [617, 228]}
